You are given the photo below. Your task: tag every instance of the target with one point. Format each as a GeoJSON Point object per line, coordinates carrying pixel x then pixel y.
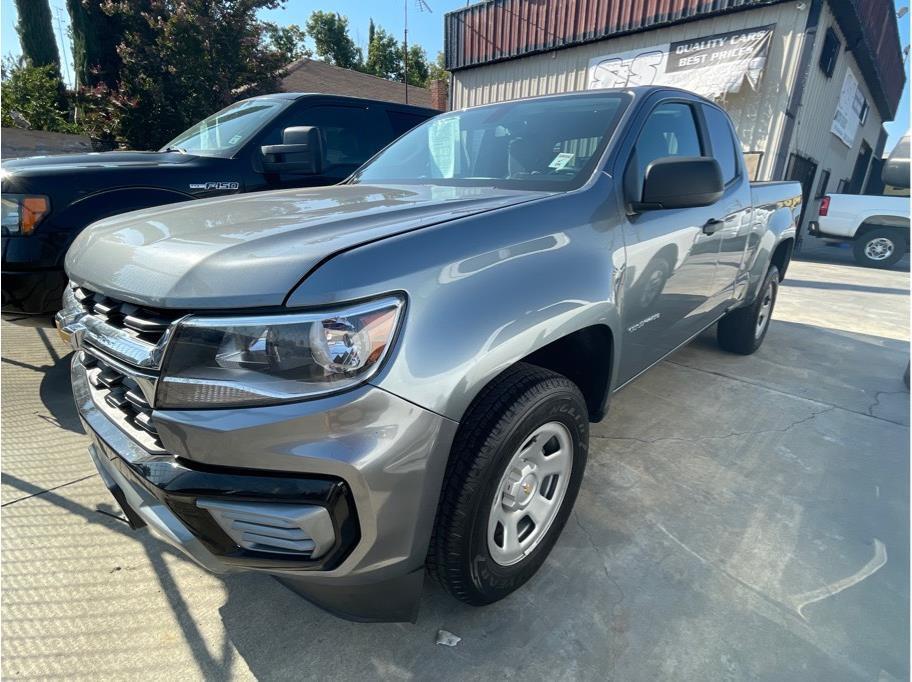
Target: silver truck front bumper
{"type": "Point", "coordinates": [368, 460]}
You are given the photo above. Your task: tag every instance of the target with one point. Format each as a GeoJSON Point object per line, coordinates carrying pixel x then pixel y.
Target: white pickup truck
{"type": "Point", "coordinates": [878, 225]}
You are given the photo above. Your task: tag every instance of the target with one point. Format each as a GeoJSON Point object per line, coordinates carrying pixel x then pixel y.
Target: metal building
{"type": "Point", "coordinates": [808, 83]}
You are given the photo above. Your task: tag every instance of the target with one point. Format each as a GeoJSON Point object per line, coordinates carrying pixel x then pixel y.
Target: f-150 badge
{"type": "Point", "coordinates": [214, 185]}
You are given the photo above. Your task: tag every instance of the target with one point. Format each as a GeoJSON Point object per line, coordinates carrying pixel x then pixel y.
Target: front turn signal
{"type": "Point", "coordinates": [34, 208]}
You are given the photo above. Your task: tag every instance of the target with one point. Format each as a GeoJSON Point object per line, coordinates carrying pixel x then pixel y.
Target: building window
{"type": "Point", "coordinates": [841, 187]}
{"type": "Point", "coordinates": [830, 52]}
{"type": "Point", "coordinates": [863, 114]}
{"type": "Point", "coordinates": [822, 185]}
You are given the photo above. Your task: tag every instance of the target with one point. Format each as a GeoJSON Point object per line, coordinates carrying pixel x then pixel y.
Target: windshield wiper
{"type": "Point", "coordinates": [175, 149]}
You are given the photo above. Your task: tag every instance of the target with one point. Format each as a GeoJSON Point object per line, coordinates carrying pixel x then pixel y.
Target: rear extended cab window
{"type": "Point", "coordinates": [722, 142]}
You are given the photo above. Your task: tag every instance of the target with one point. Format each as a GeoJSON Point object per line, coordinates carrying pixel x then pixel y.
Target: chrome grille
{"type": "Point", "coordinates": [146, 324]}
{"type": "Point", "coordinates": [122, 398]}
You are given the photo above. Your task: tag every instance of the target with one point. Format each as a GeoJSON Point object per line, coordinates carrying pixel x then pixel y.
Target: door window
{"type": "Point", "coordinates": [723, 144]}
{"type": "Point", "coordinates": [403, 121]}
{"type": "Point", "coordinates": [351, 135]}
{"type": "Point", "coordinates": [670, 130]}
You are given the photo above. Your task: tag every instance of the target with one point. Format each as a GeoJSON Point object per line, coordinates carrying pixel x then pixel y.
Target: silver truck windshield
{"type": "Point", "coordinates": [549, 143]}
{"type": "Point", "coordinates": [225, 131]}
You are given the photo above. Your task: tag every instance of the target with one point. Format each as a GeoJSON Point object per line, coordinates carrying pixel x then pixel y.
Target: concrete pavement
{"type": "Point", "coordinates": [740, 518]}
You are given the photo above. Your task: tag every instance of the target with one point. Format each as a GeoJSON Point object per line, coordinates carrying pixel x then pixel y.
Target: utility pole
{"type": "Point", "coordinates": [405, 50]}
{"type": "Point", "coordinates": [422, 7]}
{"type": "Point", "coordinates": [66, 62]}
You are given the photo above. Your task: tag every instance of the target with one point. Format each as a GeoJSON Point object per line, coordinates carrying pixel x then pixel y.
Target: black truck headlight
{"type": "Point", "coordinates": [246, 361]}
{"type": "Point", "coordinates": [21, 213]}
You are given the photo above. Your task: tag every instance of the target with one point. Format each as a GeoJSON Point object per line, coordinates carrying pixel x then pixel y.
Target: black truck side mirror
{"type": "Point", "coordinates": [301, 152]}
{"type": "Point", "coordinates": [681, 182]}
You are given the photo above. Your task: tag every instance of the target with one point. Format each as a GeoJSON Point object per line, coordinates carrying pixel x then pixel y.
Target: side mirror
{"type": "Point", "coordinates": [301, 152]}
{"type": "Point", "coordinates": [681, 182]}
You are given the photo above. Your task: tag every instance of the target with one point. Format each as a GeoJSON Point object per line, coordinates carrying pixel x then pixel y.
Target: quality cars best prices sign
{"type": "Point", "coordinates": [711, 66]}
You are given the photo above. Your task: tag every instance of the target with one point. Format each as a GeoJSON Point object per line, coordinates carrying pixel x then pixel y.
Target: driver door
{"type": "Point", "coordinates": [671, 261]}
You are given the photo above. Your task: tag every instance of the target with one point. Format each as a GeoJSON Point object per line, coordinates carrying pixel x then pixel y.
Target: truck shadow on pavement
{"type": "Point", "coordinates": [617, 585]}
{"type": "Point", "coordinates": [843, 286]}
{"type": "Point", "coordinates": [55, 391]}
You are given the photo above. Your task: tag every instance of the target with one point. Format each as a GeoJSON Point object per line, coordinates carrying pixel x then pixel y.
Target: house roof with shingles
{"type": "Point", "coordinates": [311, 75]}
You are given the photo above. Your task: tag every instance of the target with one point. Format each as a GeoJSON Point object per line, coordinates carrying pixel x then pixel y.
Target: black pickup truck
{"type": "Point", "coordinates": [255, 144]}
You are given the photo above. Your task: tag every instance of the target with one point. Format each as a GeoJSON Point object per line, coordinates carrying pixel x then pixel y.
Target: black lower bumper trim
{"type": "Point", "coordinates": [134, 520]}
{"type": "Point", "coordinates": [179, 484]}
{"type": "Point", "coordinates": [395, 600]}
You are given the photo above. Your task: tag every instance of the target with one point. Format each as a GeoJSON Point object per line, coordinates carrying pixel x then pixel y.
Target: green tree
{"type": "Point", "coordinates": [384, 56]}
{"type": "Point", "coordinates": [97, 31]}
{"type": "Point", "coordinates": [289, 41]}
{"type": "Point", "coordinates": [181, 61]}
{"type": "Point", "coordinates": [30, 97]}
{"type": "Point", "coordinates": [329, 31]}
{"type": "Point", "coordinates": [437, 71]}
{"type": "Point", "coordinates": [36, 34]}
{"type": "Point", "coordinates": [418, 68]}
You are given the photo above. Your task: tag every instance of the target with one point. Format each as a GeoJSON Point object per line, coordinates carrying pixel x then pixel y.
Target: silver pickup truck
{"type": "Point", "coordinates": [346, 387]}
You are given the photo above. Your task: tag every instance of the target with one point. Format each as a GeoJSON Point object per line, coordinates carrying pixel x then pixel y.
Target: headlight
{"type": "Point", "coordinates": [235, 361]}
{"type": "Point", "coordinates": [21, 213]}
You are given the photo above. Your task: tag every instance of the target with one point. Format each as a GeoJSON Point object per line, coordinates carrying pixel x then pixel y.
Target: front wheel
{"type": "Point", "coordinates": [512, 479]}
{"type": "Point", "coordinates": [743, 330]}
{"type": "Point", "coordinates": [881, 248]}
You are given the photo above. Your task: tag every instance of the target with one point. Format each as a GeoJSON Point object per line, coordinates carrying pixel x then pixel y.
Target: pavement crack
{"type": "Point", "coordinates": [876, 403]}
{"type": "Point", "coordinates": [794, 396]}
{"type": "Point", "coordinates": [601, 555]}
{"type": "Point", "coordinates": [42, 492]}
{"type": "Point", "coordinates": [733, 434]}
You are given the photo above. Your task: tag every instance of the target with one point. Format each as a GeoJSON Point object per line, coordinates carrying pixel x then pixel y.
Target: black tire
{"type": "Point", "coordinates": [496, 426]}
{"type": "Point", "coordinates": [737, 331]}
{"type": "Point", "coordinates": [880, 240]}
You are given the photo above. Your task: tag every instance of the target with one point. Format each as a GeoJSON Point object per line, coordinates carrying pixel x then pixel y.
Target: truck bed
{"type": "Point", "coordinates": [775, 193]}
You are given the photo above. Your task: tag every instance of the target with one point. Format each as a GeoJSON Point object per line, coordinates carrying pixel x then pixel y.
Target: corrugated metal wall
{"type": "Point", "coordinates": [812, 137]}
{"type": "Point", "coordinates": [757, 115]}
{"type": "Point", "coordinates": [502, 29]}
{"type": "Point", "coordinates": [873, 34]}
{"type": "Point", "coordinates": [489, 31]}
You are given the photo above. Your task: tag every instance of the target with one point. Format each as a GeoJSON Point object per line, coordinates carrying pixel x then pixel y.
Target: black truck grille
{"type": "Point", "coordinates": [144, 323]}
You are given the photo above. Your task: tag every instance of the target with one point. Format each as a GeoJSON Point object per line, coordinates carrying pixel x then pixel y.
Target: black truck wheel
{"type": "Point", "coordinates": [879, 248]}
{"type": "Point", "coordinates": [513, 476]}
{"type": "Point", "coordinates": [743, 330]}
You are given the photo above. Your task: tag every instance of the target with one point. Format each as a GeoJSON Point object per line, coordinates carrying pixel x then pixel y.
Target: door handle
{"type": "Point", "coordinates": [712, 226]}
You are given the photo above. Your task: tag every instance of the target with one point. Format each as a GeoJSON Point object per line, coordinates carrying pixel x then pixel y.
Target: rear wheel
{"type": "Point", "coordinates": [743, 330]}
{"type": "Point", "coordinates": [879, 248]}
{"type": "Point", "coordinates": [511, 482]}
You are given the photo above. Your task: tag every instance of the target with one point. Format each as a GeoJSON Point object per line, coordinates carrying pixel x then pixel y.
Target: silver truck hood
{"type": "Point", "coordinates": [251, 250]}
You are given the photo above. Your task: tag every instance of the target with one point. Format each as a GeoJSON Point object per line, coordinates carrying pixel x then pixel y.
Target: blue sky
{"type": "Point", "coordinates": [424, 28]}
